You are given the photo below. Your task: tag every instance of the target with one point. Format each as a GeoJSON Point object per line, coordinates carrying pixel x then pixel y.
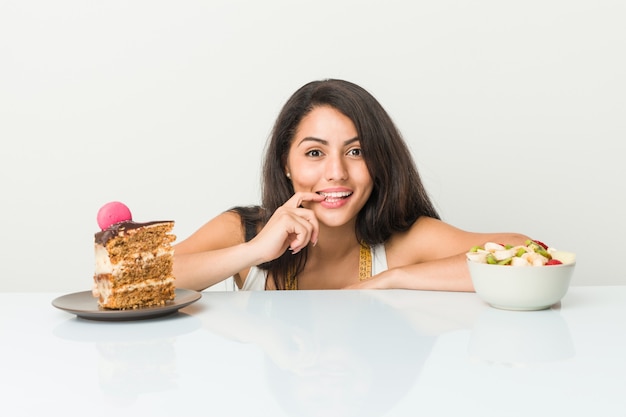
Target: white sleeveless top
{"type": "Point", "coordinates": [255, 281]}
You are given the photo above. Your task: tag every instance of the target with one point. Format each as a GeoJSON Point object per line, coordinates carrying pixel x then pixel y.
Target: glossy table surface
{"type": "Point", "coordinates": [319, 353]}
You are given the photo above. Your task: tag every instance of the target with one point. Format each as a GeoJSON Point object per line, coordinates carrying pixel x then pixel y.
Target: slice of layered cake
{"type": "Point", "coordinates": [134, 261]}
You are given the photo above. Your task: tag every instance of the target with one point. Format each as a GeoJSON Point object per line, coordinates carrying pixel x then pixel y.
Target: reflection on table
{"type": "Point", "coordinates": [320, 353]}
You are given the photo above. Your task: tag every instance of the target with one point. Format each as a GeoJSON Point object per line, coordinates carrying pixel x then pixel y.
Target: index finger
{"type": "Point", "coordinates": [301, 196]}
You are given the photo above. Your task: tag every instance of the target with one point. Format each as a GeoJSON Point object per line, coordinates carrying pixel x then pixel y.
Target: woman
{"type": "Point", "coordinates": [343, 206]}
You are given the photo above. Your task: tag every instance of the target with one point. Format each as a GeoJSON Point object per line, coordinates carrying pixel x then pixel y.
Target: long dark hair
{"type": "Point", "coordinates": [398, 197]}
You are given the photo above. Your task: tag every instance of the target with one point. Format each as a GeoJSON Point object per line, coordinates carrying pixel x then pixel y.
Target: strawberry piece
{"type": "Point", "coordinates": [543, 245]}
{"type": "Point", "coordinates": [554, 262]}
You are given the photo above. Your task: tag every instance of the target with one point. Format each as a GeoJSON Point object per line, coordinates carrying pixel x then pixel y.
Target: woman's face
{"type": "Point", "coordinates": [325, 157]}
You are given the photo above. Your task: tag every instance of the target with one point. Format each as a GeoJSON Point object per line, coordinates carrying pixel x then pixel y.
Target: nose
{"type": "Point", "coordinates": [336, 168]}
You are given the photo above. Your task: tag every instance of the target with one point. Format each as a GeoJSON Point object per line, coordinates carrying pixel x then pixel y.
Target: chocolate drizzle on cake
{"type": "Point", "coordinates": [104, 236]}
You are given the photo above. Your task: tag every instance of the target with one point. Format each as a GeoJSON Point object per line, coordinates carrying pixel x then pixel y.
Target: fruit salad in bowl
{"type": "Point", "coordinates": [533, 276]}
{"type": "Point", "coordinates": [533, 253]}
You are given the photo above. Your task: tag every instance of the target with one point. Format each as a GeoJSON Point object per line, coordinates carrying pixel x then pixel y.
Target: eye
{"type": "Point", "coordinates": [355, 152]}
{"type": "Point", "coordinates": [314, 153]}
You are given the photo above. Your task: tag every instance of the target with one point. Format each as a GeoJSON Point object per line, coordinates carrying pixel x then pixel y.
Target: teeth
{"type": "Point", "coordinates": [338, 194]}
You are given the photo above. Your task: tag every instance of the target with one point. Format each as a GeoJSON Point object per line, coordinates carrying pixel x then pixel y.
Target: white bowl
{"type": "Point", "coordinates": [521, 287]}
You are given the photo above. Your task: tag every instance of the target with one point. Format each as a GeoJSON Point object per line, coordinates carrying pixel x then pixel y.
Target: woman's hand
{"type": "Point", "coordinates": [291, 227]}
{"type": "Point", "coordinates": [218, 251]}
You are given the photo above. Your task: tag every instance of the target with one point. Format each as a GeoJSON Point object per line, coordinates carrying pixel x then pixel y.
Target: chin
{"type": "Point", "coordinates": [336, 220]}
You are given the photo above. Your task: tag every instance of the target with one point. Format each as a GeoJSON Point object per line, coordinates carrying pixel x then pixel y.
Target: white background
{"type": "Point", "coordinates": [515, 112]}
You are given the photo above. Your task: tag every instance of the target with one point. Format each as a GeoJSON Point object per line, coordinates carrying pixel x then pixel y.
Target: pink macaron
{"type": "Point", "coordinates": [112, 213]}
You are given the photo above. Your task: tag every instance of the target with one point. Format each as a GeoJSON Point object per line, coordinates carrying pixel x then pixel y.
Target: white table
{"type": "Point", "coordinates": [319, 353]}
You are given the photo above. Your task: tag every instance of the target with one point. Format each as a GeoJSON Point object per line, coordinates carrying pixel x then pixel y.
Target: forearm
{"type": "Point", "coordinates": [201, 270]}
{"type": "Point", "coordinates": [448, 274]}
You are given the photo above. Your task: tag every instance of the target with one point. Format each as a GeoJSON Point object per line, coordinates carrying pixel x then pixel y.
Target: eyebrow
{"type": "Point", "coordinates": [325, 142]}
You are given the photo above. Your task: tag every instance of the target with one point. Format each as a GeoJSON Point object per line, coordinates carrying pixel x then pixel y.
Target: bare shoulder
{"type": "Point", "coordinates": [222, 231]}
{"type": "Point", "coordinates": [430, 239]}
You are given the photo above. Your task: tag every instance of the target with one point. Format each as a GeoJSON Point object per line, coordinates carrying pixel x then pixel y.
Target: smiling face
{"type": "Point", "coordinates": [325, 157]}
